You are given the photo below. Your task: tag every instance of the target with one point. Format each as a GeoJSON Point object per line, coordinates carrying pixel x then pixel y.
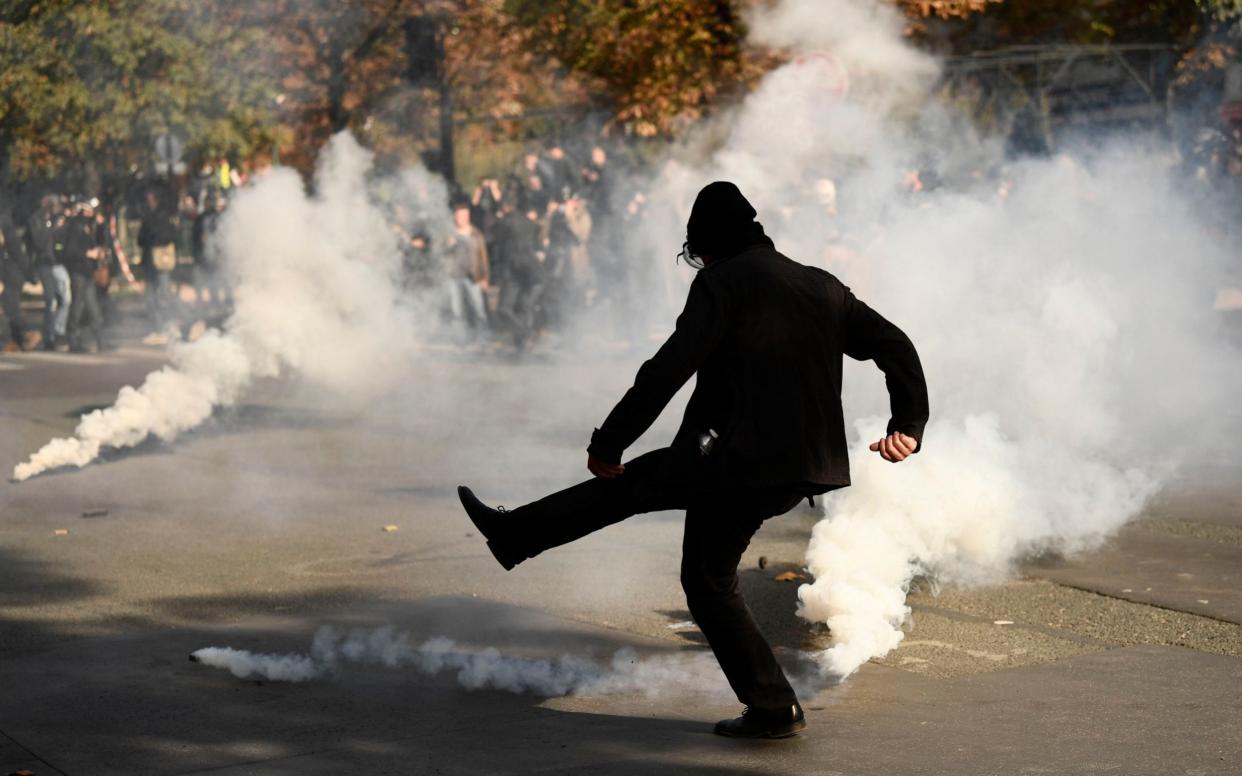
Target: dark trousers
{"type": "Point", "coordinates": [161, 296]}
{"type": "Point", "coordinates": [516, 307]}
{"type": "Point", "coordinates": [720, 522]}
{"type": "Point", "coordinates": [85, 312]}
{"type": "Point", "coordinates": [56, 297]}
{"type": "Point", "coordinates": [11, 299]}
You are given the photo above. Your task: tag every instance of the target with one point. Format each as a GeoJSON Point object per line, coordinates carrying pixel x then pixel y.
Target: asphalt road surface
{"type": "Point", "coordinates": [295, 510]}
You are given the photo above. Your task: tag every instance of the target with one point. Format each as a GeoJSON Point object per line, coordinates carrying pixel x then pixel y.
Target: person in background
{"type": "Point", "coordinates": [466, 272]}
{"type": "Point", "coordinates": [527, 166]}
{"type": "Point", "coordinates": [14, 272]}
{"type": "Point", "coordinates": [485, 207]}
{"type": "Point", "coordinates": [83, 254]}
{"type": "Point", "coordinates": [597, 184]}
{"type": "Point", "coordinates": [110, 263]}
{"type": "Point", "coordinates": [537, 195]}
{"type": "Point", "coordinates": [187, 215]}
{"type": "Point", "coordinates": [556, 170]}
{"type": "Point", "coordinates": [42, 228]}
{"type": "Point", "coordinates": [567, 271]}
{"type": "Point", "coordinates": [157, 238]}
{"type": "Point", "coordinates": [208, 276]}
{"type": "Point", "coordinates": [417, 262]}
{"type": "Point", "coordinates": [519, 269]}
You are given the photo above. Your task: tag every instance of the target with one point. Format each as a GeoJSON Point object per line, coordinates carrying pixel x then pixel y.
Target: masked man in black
{"type": "Point", "coordinates": [763, 429]}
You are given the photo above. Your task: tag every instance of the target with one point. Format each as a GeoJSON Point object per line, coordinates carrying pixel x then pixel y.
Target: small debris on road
{"type": "Point", "coordinates": [95, 513]}
{"type": "Point", "coordinates": [22, 772]}
{"type": "Point", "coordinates": [1002, 622]}
{"type": "Point", "coordinates": [390, 529]}
{"type": "Point", "coordinates": [1127, 590]}
{"type": "Point", "coordinates": [763, 561]}
{"type": "Point", "coordinates": [60, 532]}
{"type": "Point", "coordinates": [788, 576]}
{"type": "Point", "coordinates": [1204, 601]}
{"type": "Point", "coordinates": [682, 626]}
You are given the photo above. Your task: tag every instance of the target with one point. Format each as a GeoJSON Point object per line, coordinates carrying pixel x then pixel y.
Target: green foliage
{"type": "Point", "coordinates": [93, 83]}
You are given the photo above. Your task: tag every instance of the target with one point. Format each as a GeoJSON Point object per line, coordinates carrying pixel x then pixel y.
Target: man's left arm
{"type": "Point", "coordinates": [869, 336]}
{"type": "Point", "coordinates": [700, 328]}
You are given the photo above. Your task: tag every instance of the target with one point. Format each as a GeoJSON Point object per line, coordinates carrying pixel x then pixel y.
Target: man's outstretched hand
{"type": "Point", "coordinates": [895, 447]}
{"type": "Point", "coordinates": [605, 470]}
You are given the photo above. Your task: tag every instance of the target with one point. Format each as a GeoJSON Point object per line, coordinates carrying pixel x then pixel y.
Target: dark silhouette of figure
{"type": "Point", "coordinates": [763, 429]}
{"type": "Point", "coordinates": [15, 270]}
{"type": "Point", "coordinates": [519, 267]}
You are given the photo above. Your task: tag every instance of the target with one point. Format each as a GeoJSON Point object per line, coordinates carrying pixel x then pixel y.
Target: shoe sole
{"type": "Point", "coordinates": [505, 563]}
{"type": "Point", "coordinates": [795, 730]}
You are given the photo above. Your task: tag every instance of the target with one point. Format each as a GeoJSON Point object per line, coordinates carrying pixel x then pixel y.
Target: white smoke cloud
{"type": "Point", "coordinates": [625, 673]}
{"type": "Point", "coordinates": [316, 292]}
{"type": "Point", "coordinates": [1064, 328]}
{"type": "Point", "coordinates": [863, 33]}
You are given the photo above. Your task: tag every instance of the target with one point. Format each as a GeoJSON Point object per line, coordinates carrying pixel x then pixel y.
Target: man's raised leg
{"type": "Point", "coordinates": [567, 515]}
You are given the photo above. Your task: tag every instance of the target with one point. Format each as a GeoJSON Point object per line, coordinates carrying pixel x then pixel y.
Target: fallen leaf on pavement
{"type": "Point", "coordinates": [788, 576]}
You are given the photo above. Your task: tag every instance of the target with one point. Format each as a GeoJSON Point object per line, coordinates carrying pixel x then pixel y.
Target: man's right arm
{"type": "Point", "coordinates": [868, 336]}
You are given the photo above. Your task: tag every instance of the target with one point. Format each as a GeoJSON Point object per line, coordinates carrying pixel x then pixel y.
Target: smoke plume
{"type": "Point", "coordinates": [1061, 306]}
{"type": "Point", "coordinates": [316, 291]}
{"type": "Point", "coordinates": [625, 673]}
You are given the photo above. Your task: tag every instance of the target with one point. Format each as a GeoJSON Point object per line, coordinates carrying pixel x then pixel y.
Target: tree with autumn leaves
{"type": "Point", "coordinates": [89, 85]}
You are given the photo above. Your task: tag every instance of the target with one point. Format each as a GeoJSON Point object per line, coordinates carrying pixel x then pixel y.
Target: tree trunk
{"type": "Point", "coordinates": [338, 119]}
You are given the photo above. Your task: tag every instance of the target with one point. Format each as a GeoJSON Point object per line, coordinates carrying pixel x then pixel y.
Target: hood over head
{"type": "Point", "coordinates": [722, 222]}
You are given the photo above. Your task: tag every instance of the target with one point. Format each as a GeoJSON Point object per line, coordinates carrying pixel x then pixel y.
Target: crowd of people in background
{"type": "Point", "coordinates": [527, 254]}
{"type": "Point", "coordinates": [74, 247]}
{"type": "Point", "coordinates": [522, 256]}
{"type": "Point", "coordinates": [525, 257]}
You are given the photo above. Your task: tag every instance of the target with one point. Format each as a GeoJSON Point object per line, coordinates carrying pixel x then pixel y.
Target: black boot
{"type": "Point", "coordinates": [755, 723]}
{"type": "Point", "coordinates": [491, 523]}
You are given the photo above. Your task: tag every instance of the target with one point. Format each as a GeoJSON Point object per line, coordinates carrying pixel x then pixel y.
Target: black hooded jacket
{"type": "Point", "coordinates": [766, 336]}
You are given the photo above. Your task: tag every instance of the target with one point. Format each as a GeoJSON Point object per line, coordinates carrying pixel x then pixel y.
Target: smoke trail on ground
{"type": "Point", "coordinates": [316, 291]}
{"type": "Point", "coordinates": [1062, 312]}
{"type": "Point", "coordinates": [625, 673]}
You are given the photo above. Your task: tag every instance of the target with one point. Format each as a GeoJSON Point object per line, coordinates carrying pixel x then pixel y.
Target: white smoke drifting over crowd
{"type": "Point", "coordinates": [1063, 327]}
{"type": "Point", "coordinates": [625, 673]}
{"type": "Point", "coordinates": [316, 291]}
{"type": "Point", "coordinates": [1063, 324]}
